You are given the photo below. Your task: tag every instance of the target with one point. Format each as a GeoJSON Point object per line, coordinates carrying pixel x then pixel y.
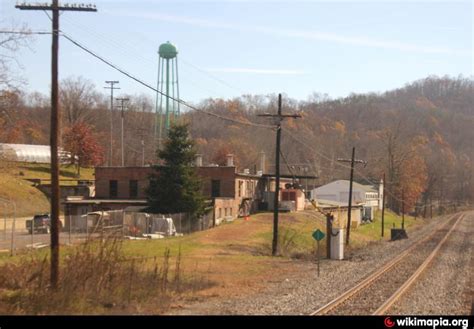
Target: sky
{"type": "Point", "coordinates": [230, 48]}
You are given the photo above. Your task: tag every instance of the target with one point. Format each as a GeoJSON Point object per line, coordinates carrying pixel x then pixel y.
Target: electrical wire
{"type": "Point", "coordinates": [125, 48]}
{"type": "Point", "coordinates": [159, 92]}
{"type": "Point", "coordinates": [287, 164]}
{"type": "Point", "coordinates": [223, 82]}
{"type": "Point", "coordinates": [340, 164]}
{"type": "Point", "coordinates": [24, 32]}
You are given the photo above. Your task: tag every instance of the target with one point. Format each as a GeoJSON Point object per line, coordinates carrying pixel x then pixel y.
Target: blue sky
{"type": "Point", "coordinates": [228, 48]}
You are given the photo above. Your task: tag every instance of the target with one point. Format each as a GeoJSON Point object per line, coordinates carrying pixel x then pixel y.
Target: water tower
{"type": "Point", "coordinates": [166, 106]}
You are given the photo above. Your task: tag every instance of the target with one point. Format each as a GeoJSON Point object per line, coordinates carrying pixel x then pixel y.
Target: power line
{"type": "Point", "coordinates": [125, 48]}
{"type": "Point", "coordinates": [340, 164]}
{"type": "Point", "coordinates": [352, 161]}
{"type": "Point", "coordinates": [54, 7]}
{"type": "Point", "coordinates": [24, 32]}
{"type": "Point", "coordinates": [279, 118]}
{"type": "Point", "coordinates": [223, 82]}
{"type": "Point", "coordinates": [287, 164]}
{"type": "Point", "coordinates": [122, 106]}
{"type": "Point", "coordinates": [112, 88]}
{"type": "Point", "coordinates": [161, 93]}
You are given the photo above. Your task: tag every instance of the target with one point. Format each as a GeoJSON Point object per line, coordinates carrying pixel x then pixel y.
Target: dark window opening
{"type": "Point", "coordinates": [113, 189]}
{"type": "Point", "coordinates": [215, 188]}
{"type": "Point", "coordinates": [133, 189]}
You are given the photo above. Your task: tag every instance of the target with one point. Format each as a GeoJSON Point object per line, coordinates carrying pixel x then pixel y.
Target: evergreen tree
{"type": "Point", "coordinates": [175, 186]}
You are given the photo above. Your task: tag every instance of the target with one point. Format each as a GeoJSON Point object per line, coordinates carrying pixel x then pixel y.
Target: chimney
{"type": "Point", "coordinates": [198, 160]}
{"type": "Point", "coordinates": [230, 160]}
{"type": "Point", "coordinates": [262, 162]}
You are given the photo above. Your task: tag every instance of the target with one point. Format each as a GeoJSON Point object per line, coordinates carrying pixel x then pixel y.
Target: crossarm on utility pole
{"type": "Point", "coordinates": [55, 130]}
{"type": "Point", "coordinates": [280, 118]}
{"type": "Point", "coordinates": [352, 160]}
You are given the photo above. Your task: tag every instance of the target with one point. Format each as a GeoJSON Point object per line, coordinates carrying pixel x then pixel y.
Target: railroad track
{"type": "Point", "coordinates": [379, 291]}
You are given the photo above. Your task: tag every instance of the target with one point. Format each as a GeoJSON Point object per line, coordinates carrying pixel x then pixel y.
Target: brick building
{"type": "Point", "coordinates": [233, 194]}
{"type": "Point", "coordinates": [236, 193]}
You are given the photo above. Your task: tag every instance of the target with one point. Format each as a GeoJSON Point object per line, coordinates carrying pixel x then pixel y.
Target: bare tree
{"type": "Point", "coordinates": [78, 98]}
{"type": "Point", "coordinates": [10, 44]}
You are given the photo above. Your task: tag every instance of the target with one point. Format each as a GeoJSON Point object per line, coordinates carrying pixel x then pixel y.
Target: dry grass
{"type": "Point", "coordinates": [96, 278]}
{"type": "Point", "coordinates": [155, 276]}
{"type": "Point", "coordinates": [237, 256]}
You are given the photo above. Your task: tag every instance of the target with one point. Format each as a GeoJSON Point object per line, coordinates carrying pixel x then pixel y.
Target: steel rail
{"type": "Point", "coordinates": [376, 274]}
{"type": "Point", "coordinates": [400, 291]}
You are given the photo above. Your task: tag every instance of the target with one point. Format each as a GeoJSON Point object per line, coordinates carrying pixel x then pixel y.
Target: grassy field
{"type": "Point", "coordinates": [229, 260]}
{"type": "Point", "coordinates": [372, 232]}
{"type": "Point", "coordinates": [14, 185]}
{"type": "Point", "coordinates": [237, 254]}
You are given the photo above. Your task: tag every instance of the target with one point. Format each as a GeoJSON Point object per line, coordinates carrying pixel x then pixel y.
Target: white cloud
{"type": "Point", "coordinates": [255, 71]}
{"type": "Point", "coordinates": [300, 34]}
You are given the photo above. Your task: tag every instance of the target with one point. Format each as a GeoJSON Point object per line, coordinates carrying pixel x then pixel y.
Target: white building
{"type": "Point", "coordinates": [30, 153]}
{"type": "Point", "coordinates": [363, 195]}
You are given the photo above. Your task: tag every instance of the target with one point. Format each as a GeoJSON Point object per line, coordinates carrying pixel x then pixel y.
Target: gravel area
{"type": "Point", "coordinates": [445, 287]}
{"type": "Point", "coordinates": [368, 300]}
{"type": "Point", "coordinates": [306, 292]}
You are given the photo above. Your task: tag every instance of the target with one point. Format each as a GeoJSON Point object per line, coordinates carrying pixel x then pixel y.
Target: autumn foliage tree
{"type": "Point", "coordinates": [80, 141]}
{"type": "Point", "coordinates": [220, 156]}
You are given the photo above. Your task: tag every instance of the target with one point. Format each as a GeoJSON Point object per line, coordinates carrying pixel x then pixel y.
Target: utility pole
{"type": "Point", "coordinates": [279, 118]}
{"type": "Point", "coordinates": [122, 100]}
{"type": "Point", "coordinates": [143, 153]}
{"type": "Point", "coordinates": [383, 205]}
{"type": "Point", "coordinates": [352, 161]}
{"type": "Point", "coordinates": [112, 88]}
{"type": "Point", "coordinates": [403, 208]}
{"type": "Point", "coordinates": [55, 122]}
{"type": "Point", "coordinates": [141, 134]}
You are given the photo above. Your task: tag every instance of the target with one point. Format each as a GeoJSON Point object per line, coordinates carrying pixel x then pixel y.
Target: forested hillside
{"type": "Point", "coordinates": [421, 135]}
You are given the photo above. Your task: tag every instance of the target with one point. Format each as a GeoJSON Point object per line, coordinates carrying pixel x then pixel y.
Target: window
{"type": "Point", "coordinates": [113, 189]}
{"type": "Point", "coordinates": [133, 189]}
{"type": "Point", "coordinates": [215, 188]}
{"type": "Point", "coordinates": [225, 212]}
{"type": "Point", "coordinates": [288, 196]}
{"type": "Point", "coordinates": [230, 211]}
{"type": "Point", "coordinates": [240, 188]}
{"type": "Point", "coordinates": [220, 213]}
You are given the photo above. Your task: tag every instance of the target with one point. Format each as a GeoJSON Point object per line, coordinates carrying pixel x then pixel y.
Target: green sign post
{"type": "Point", "coordinates": [318, 235]}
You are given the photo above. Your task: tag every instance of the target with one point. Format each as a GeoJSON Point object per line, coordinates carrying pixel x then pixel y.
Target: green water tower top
{"type": "Point", "coordinates": [167, 50]}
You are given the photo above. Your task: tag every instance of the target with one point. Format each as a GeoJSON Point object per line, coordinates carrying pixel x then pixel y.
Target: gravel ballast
{"type": "Point", "coordinates": [444, 287]}
{"type": "Point", "coordinates": [305, 292]}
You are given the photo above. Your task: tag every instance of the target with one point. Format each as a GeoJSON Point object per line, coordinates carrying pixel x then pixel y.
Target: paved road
{"type": "Point", "coordinates": [20, 223]}
{"type": "Point", "coordinates": [24, 240]}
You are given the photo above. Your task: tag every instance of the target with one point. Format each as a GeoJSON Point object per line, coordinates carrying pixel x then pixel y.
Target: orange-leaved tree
{"type": "Point", "coordinates": [80, 141]}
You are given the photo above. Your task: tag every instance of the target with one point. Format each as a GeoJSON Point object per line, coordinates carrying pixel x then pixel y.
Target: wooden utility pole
{"type": "Point", "coordinates": [349, 210]}
{"type": "Point", "coordinates": [279, 118]}
{"type": "Point", "coordinates": [122, 100]}
{"type": "Point", "coordinates": [403, 208]}
{"type": "Point", "coordinates": [112, 88]}
{"type": "Point", "coordinates": [383, 205]}
{"type": "Point", "coordinates": [55, 123]}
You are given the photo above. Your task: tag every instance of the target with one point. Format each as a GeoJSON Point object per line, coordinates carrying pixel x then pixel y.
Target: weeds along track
{"type": "Point", "coordinates": [377, 292]}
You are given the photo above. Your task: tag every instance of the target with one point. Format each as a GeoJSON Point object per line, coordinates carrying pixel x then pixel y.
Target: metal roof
{"type": "Point", "coordinates": [28, 153]}
{"type": "Point", "coordinates": [342, 183]}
